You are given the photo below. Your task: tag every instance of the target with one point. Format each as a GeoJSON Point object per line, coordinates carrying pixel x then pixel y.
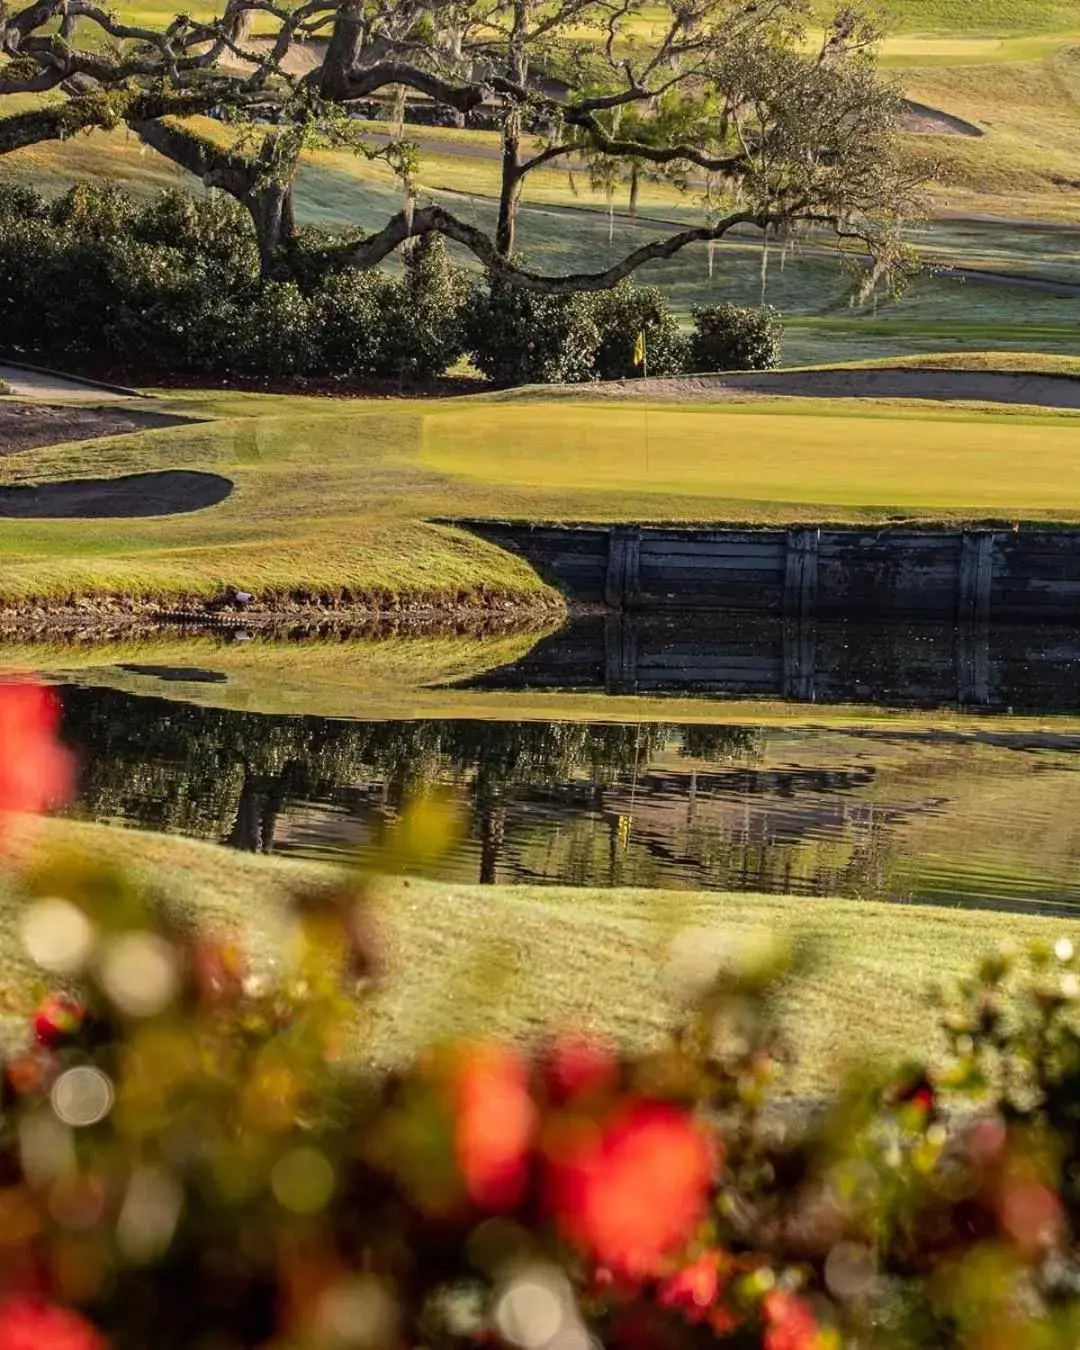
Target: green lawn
{"type": "Point", "coordinates": [518, 960]}
{"type": "Point", "coordinates": [331, 499]}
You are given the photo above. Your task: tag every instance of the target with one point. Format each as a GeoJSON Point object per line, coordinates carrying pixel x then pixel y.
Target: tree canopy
{"type": "Point", "coordinates": [771, 125]}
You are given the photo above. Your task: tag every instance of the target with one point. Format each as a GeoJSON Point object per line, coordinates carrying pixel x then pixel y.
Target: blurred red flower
{"type": "Point", "coordinates": [57, 1019]}
{"type": "Point", "coordinates": [494, 1124]}
{"type": "Point", "coordinates": [578, 1066]}
{"type": "Point", "coordinates": [218, 967]}
{"type": "Point", "coordinates": [694, 1289]}
{"type": "Point", "coordinates": [28, 1325]}
{"type": "Point", "coordinates": [1030, 1213]}
{"type": "Point", "coordinates": [35, 769]}
{"type": "Point", "coordinates": [789, 1323]}
{"type": "Point", "coordinates": [631, 1191]}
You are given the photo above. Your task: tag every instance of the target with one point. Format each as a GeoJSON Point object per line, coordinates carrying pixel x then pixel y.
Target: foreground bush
{"type": "Point", "coordinates": [522, 337]}
{"type": "Point", "coordinates": [621, 314]}
{"type": "Point", "coordinates": [727, 337]}
{"type": "Point", "coordinates": [192, 1154]}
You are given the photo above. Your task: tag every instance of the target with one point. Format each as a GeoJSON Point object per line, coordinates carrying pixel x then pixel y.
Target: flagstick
{"type": "Point", "coordinates": [645, 380]}
{"type": "Point", "coordinates": [645, 391]}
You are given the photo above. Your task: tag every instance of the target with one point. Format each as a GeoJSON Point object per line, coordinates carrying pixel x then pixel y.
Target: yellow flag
{"type": "Point", "coordinates": [639, 349]}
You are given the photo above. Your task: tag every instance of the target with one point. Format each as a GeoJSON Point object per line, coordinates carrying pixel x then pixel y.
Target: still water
{"type": "Point", "coordinates": [988, 819]}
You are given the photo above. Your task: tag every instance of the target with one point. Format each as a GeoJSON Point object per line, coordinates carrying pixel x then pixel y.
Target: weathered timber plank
{"type": "Point", "coordinates": [719, 657]}
{"type": "Point", "coordinates": [654, 578]}
{"type": "Point", "coordinates": [772, 562]}
{"type": "Point", "coordinates": [674, 548]}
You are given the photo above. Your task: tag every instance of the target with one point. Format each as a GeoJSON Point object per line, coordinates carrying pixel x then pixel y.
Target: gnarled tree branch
{"type": "Point", "coordinates": [436, 219]}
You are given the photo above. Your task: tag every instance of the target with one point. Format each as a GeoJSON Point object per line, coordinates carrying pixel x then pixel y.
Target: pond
{"type": "Point", "coordinates": [988, 817]}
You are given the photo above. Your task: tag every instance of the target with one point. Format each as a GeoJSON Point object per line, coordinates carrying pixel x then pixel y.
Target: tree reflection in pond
{"type": "Point", "coordinates": [983, 818]}
{"type": "Point", "coordinates": [226, 775]}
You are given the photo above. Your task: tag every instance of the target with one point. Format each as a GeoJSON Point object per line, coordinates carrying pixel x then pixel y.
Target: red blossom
{"type": "Point", "coordinates": [494, 1124]}
{"type": "Point", "coordinates": [1030, 1213]}
{"type": "Point", "coordinates": [694, 1289]}
{"type": "Point", "coordinates": [630, 1192]}
{"type": "Point", "coordinates": [28, 1074]}
{"type": "Point", "coordinates": [789, 1323]}
{"type": "Point", "coordinates": [57, 1020]}
{"type": "Point", "coordinates": [29, 1325]}
{"type": "Point", "coordinates": [578, 1066]}
{"type": "Point", "coordinates": [218, 968]}
{"type": "Point", "coordinates": [35, 769]}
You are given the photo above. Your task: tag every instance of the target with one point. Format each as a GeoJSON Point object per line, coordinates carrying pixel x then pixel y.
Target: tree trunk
{"type": "Point", "coordinates": [271, 211]}
{"type": "Point", "coordinates": [492, 832]}
{"type": "Point", "coordinates": [245, 831]}
{"type": "Point", "coordinates": [511, 157]}
{"type": "Point", "coordinates": [268, 200]}
{"type": "Point", "coordinates": [238, 23]}
{"type": "Point", "coordinates": [268, 822]}
{"type": "Point", "coordinates": [343, 50]}
{"type": "Point", "coordinates": [508, 190]}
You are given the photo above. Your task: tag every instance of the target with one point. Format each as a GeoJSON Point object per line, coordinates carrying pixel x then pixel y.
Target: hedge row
{"type": "Point", "coordinates": [99, 277]}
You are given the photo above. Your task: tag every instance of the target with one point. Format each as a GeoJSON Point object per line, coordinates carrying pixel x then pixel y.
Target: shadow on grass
{"type": "Point", "coordinates": [168, 493]}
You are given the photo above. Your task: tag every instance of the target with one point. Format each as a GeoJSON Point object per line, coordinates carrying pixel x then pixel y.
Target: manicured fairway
{"type": "Point", "coordinates": [333, 501]}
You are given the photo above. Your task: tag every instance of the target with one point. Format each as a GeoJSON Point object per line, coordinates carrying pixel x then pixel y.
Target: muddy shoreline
{"type": "Point", "coordinates": [110, 619]}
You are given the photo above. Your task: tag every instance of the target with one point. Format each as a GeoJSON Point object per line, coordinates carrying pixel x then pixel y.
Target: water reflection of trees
{"type": "Point", "coordinates": [219, 773]}
{"type": "Point", "coordinates": [591, 803]}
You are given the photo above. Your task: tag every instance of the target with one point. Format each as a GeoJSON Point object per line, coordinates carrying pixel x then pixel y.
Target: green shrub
{"type": "Point", "coordinates": [21, 203]}
{"type": "Point", "coordinates": [214, 231]}
{"type": "Point", "coordinates": [621, 314]}
{"type": "Point", "coordinates": [422, 328]}
{"type": "Point", "coordinates": [728, 337]}
{"type": "Point", "coordinates": [523, 337]}
{"type": "Point", "coordinates": [30, 251]}
{"type": "Point", "coordinates": [346, 323]}
{"type": "Point", "coordinates": [276, 333]}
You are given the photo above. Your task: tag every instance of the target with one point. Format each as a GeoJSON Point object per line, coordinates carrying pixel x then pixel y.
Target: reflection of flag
{"type": "Point", "coordinates": [625, 823]}
{"type": "Point", "coordinates": [639, 348]}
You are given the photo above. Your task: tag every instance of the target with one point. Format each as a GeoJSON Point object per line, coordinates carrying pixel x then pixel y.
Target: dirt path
{"type": "Point", "coordinates": [35, 384]}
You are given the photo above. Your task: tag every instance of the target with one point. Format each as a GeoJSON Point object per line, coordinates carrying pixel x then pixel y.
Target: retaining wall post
{"type": "Point", "coordinates": [623, 580]}
{"type": "Point", "coordinates": [801, 573]}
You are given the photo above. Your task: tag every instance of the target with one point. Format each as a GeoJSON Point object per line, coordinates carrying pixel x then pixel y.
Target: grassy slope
{"type": "Point", "coordinates": [330, 499]}
{"type": "Point", "coordinates": [514, 961]}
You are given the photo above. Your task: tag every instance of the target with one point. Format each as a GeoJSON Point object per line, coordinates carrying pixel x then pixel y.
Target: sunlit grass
{"type": "Point", "coordinates": [513, 961]}
{"type": "Point", "coordinates": [332, 502]}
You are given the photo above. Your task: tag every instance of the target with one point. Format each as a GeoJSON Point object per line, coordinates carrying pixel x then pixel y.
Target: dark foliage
{"type": "Point", "coordinates": [523, 337]}
{"type": "Point", "coordinates": [624, 312]}
{"type": "Point", "coordinates": [728, 337]}
{"type": "Point", "coordinates": [99, 278]}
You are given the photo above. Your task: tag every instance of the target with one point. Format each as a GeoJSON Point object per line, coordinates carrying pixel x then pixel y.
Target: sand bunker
{"type": "Point", "coordinates": [171, 492]}
{"type": "Point", "coordinates": [922, 120]}
{"type": "Point", "coordinates": [943, 386]}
